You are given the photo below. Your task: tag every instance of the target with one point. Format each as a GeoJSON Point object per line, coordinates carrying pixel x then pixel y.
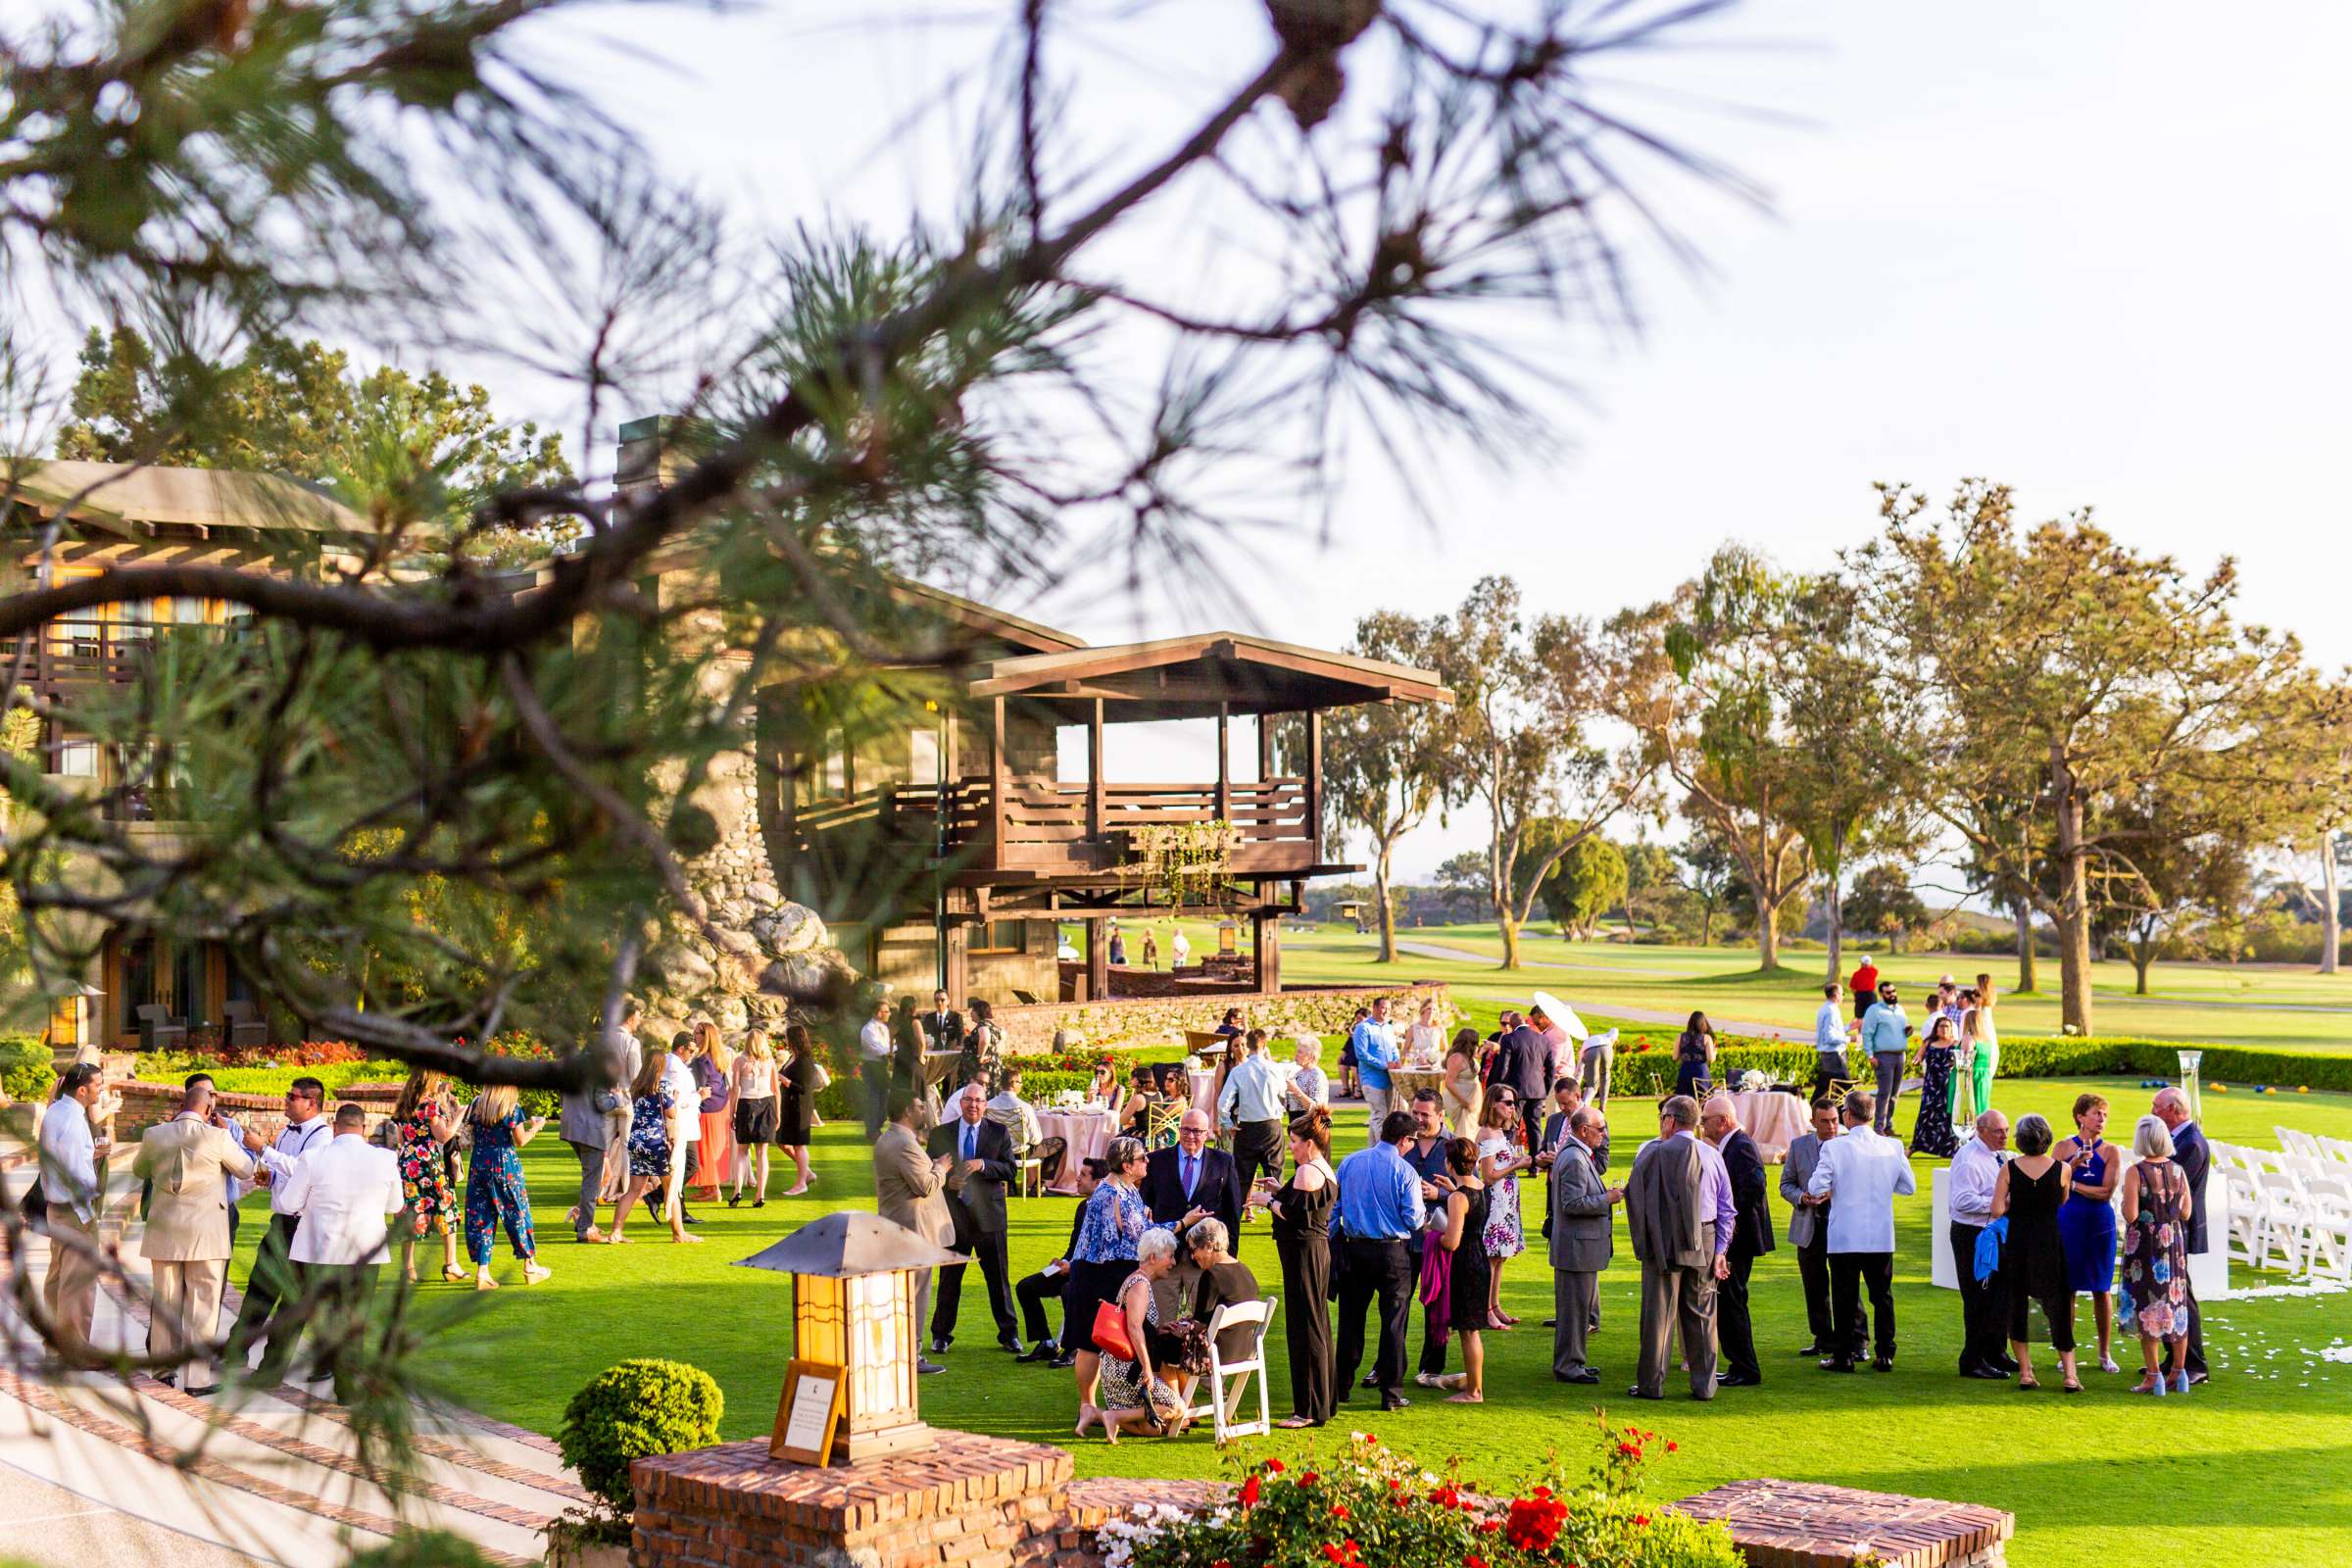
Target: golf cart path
{"type": "Point", "coordinates": [1611, 1010]}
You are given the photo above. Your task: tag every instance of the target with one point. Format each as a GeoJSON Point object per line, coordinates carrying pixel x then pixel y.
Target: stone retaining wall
{"type": "Point", "coordinates": [146, 1104]}
{"type": "Point", "coordinates": [1163, 1020]}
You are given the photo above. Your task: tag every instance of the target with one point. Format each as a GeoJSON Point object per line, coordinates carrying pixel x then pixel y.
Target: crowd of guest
{"type": "Point", "coordinates": [1430, 1213]}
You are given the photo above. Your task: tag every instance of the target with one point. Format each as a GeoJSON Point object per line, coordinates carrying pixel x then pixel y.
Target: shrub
{"type": "Point", "coordinates": [1371, 1505]}
{"type": "Point", "coordinates": [633, 1411]}
{"type": "Point", "coordinates": [28, 1070]}
{"type": "Point", "coordinates": [204, 1050]}
{"type": "Point", "coordinates": [2066, 1057]}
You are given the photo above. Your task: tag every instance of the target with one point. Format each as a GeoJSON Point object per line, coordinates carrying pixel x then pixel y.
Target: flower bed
{"type": "Point", "coordinates": [1370, 1507]}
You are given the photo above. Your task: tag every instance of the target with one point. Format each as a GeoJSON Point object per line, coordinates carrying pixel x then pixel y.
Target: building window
{"type": "Point", "coordinates": [922, 757]}
{"type": "Point", "coordinates": [77, 757]}
{"type": "Point", "coordinates": [1002, 936]}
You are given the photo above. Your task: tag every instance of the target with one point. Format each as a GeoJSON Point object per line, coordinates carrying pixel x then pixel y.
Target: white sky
{"type": "Point", "coordinates": [2085, 248]}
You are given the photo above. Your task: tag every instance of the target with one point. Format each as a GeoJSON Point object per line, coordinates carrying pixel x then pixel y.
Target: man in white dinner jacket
{"type": "Point", "coordinates": [345, 1191]}
{"type": "Point", "coordinates": [1861, 1171]}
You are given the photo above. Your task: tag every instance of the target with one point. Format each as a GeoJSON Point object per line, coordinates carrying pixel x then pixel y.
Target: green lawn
{"type": "Point", "coordinates": [2277, 1006]}
{"type": "Point", "coordinates": [2254, 1468]}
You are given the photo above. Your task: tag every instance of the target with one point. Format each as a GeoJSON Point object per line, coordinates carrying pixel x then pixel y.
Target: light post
{"type": "Point", "coordinates": [853, 1313]}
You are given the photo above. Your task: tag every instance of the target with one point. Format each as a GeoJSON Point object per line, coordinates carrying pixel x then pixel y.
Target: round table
{"type": "Point", "coordinates": [1205, 1089]}
{"type": "Point", "coordinates": [1086, 1132]}
{"type": "Point", "coordinates": [1773, 1119]}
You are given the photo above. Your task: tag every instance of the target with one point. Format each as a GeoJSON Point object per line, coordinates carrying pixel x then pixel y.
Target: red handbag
{"type": "Point", "coordinates": [1111, 1331]}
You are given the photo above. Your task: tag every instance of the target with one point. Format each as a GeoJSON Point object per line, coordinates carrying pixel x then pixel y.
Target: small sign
{"type": "Point", "coordinates": [808, 1412]}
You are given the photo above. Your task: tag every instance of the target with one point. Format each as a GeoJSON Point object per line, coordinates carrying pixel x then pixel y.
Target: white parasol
{"type": "Point", "coordinates": [1561, 1014]}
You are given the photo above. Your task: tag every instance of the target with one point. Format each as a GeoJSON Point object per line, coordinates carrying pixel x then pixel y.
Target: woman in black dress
{"type": "Point", "coordinates": [1302, 1208]}
{"type": "Point", "coordinates": [1466, 1208]}
{"type": "Point", "coordinates": [1932, 1132]}
{"type": "Point", "coordinates": [796, 1102]}
{"type": "Point", "coordinates": [2030, 1190]}
{"type": "Point", "coordinates": [1694, 1055]}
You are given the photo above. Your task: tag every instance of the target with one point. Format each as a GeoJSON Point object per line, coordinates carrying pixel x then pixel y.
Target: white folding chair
{"type": "Point", "coordinates": [2246, 1213]}
{"type": "Point", "coordinates": [2328, 1209]}
{"type": "Point", "coordinates": [1222, 1400]}
{"type": "Point", "coordinates": [2296, 1142]}
{"type": "Point", "coordinates": [2336, 1150]}
{"type": "Point", "coordinates": [2285, 1220]}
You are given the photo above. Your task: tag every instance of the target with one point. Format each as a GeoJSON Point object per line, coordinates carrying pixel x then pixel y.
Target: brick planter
{"type": "Point", "coordinates": [984, 1503]}
{"type": "Point", "coordinates": [1788, 1524]}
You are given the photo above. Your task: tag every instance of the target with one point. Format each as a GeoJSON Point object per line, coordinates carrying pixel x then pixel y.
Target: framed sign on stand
{"type": "Point", "coordinates": [808, 1412]}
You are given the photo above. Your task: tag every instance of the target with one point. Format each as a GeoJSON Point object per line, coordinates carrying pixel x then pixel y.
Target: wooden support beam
{"type": "Point", "coordinates": [1265, 748]}
{"type": "Point", "coordinates": [1094, 772]}
{"type": "Point", "coordinates": [1314, 778]}
{"type": "Point", "coordinates": [997, 782]}
{"type": "Point", "coordinates": [1224, 807]}
{"type": "Point", "coordinates": [1097, 962]}
{"type": "Point", "coordinates": [1265, 950]}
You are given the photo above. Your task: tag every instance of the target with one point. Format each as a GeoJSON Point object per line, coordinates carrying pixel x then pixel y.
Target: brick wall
{"type": "Point", "coordinates": [1163, 1020]}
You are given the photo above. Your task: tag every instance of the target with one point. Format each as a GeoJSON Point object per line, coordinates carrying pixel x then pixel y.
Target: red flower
{"type": "Point", "coordinates": [1629, 1450]}
{"type": "Point", "coordinates": [1307, 1480]}
{"type": "Point", "coordinates": [1371, 1442]}
{"type": "Point", "coordinates": [1535, 1523]}
{"type": "Point", "coordinates": [1490, 1527]}
{"type": "Point", "coordinates": [1250, 1492]}
{"type": "Point", "coordinates": [1445, 1497]}
{"type": "Point", "coordinates": [1540, 1491]}
{"type": "Point", "coordinates": [1274, 1467]}
{"type": "Point", "coordinates": [1474, 1560]}
{"type": "Point", "coordinates": [1670, 1446]}
{"type": "Point", "coordinates": [1640, 1518]}
{"type": "Point", "coordinates": [1338, 1510]}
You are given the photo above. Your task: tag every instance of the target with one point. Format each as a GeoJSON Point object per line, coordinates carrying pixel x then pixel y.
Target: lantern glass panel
{"type": "Point", "coordinates": [820, 1319]}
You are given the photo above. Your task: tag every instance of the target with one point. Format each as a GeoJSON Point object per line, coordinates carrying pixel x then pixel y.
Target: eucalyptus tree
{"type": "Point", "coordinates": [2056, 666]}
{"type": "Point", "coordinates": [1382, 206]}
{"type": "Point", "coordinates": [1384, 767]}
{"type": "Point", "coordinates": [1700, 681]}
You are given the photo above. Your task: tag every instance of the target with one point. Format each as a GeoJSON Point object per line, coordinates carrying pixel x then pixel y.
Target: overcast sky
{"type": "Point", "coordinates": [2085, 248]}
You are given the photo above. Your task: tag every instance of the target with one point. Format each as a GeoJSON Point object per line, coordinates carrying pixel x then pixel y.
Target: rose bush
{"type": "Point", "coordinates": [1368, 1504]}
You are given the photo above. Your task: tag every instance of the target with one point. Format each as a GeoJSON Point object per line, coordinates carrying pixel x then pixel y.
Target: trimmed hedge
{"type": "Point", "coordinates": [636, 1410]}
{"type": "Point", "coordinates": [27, 1068]}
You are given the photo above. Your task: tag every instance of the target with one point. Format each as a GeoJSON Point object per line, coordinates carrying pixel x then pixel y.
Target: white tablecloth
{"type": "Point", "coordinates": [1773, 1119]}
{"type": "Point", "coordinates": [1205, 1089]}
{"type": "Point", "coordinates": [1088, 1134]}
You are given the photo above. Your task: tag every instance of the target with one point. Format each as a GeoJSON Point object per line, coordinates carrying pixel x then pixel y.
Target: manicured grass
{"type": "Point", "coordinates": [2255, 1468]}
{"type": "Point", "coordinates": [2277, 1006]}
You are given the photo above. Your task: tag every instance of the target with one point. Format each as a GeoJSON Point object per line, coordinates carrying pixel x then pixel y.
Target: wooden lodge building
{"type": "Point", "coordinates": [975, 796]}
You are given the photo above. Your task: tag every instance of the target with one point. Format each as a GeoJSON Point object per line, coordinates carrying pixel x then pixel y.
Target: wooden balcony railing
{"type": "Point", "coordinates": [104, 651]}
{"type": "Point", "coordinates": [1050, 827]}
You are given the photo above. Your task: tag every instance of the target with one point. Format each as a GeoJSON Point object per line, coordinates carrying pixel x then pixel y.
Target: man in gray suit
{"type": "Point", "coordinates": [588, 1118]}
{"type": "Point", "coordinates": [1581, 1240]}
{"type": "Point", "coordinates": [1679, 1211]}
{"type": "Point", "coordinates": [911, 1188]}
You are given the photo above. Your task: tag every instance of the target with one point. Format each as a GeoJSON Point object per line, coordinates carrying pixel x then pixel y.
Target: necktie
{"type": "Point", "coordinates": [1190, 1175]}
{"type": "Point", "coordinates": [968, 1131]}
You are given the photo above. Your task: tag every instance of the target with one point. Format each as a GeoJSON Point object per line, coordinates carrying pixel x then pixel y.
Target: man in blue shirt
{"type": "Point", "coordinates": [1376, 1049]}
{"type": "Point", "coordinates": [1379, 1210]}
{"type": "Point", "coordinates": [1886, 1035]}
{"type": "Point", "coordinates": [1830, 1034]}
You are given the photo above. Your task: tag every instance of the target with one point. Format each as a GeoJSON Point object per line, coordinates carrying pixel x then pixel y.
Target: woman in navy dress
{"type": "Point", "coordinates": [2086, 1224]}
{"type": "Point", "coordinates": [653, 1128]}
{"type": "Point", "coordinates": [494, 1193]}
{"type": "Point", "coordinates": [1931, 1132]}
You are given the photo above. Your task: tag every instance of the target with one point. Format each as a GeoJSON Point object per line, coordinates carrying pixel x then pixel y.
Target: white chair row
{"type": "Point", "coordinates": [2314, 1145]}
{"type": "Point", "coordinates": [2292, 1210]}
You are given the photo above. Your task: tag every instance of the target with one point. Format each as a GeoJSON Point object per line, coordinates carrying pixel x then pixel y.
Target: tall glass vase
{"type": "Point", "coordinates": [2190, 1089]}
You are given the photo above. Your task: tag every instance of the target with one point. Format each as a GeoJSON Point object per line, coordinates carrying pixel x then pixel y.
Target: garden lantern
{"type": "Point", "coordinates": [2189, 1087]}
{"type": "Point", "coordinates": [853, 1308]}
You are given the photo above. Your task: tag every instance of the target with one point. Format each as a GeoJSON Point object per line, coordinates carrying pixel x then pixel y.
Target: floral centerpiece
{"type": "Point", "coordinates": [1370, 1507]}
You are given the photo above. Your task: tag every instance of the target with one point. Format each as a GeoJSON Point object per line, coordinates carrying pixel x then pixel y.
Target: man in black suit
{"type": "Point", "coordinates": [943, 1025]}
{"type": "Point", "coordinates": [1050, 1285]}
{"type": "Point", "coordinates": [1751, 1235]}
{"type": "Point", "coordinates": [2194, 1156]}
{"type": "Point", "coordinates": [981, 1167]}
{"type": "Point", "coordinates": [1522, 1063]}
{"type": "Point", "coordinates": [1193, 1175]}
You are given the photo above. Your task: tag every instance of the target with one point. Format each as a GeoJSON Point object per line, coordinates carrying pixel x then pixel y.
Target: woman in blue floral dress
{"type": "Point", "coordinates": [2157, 1204]}
{"type": "Point", "coordinates": [495, 1193]}
{"type": "Point", "coordinates": [422, 1123]}
{"type": "Point", "coordinates": [653, 1128]}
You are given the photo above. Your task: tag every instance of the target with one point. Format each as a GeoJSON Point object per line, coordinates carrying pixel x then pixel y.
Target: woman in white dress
{"type": "Point", "coordinates": [1460, 1093]}
{"type": "Point", "coordinates": [1425, 1041]}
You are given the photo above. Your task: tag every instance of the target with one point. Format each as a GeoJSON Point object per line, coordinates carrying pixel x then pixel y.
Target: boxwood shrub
{"type": "Point", "coordinates": [632, 1412]}
{"type": "Point", "coordinates": [27, 1068]}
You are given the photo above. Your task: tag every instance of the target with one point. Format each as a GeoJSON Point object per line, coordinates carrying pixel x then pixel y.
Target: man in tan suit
{"type": "Point", "coordinates": [189, 1162]}
{"type": "Point", "coordinates": [910, 1189]}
